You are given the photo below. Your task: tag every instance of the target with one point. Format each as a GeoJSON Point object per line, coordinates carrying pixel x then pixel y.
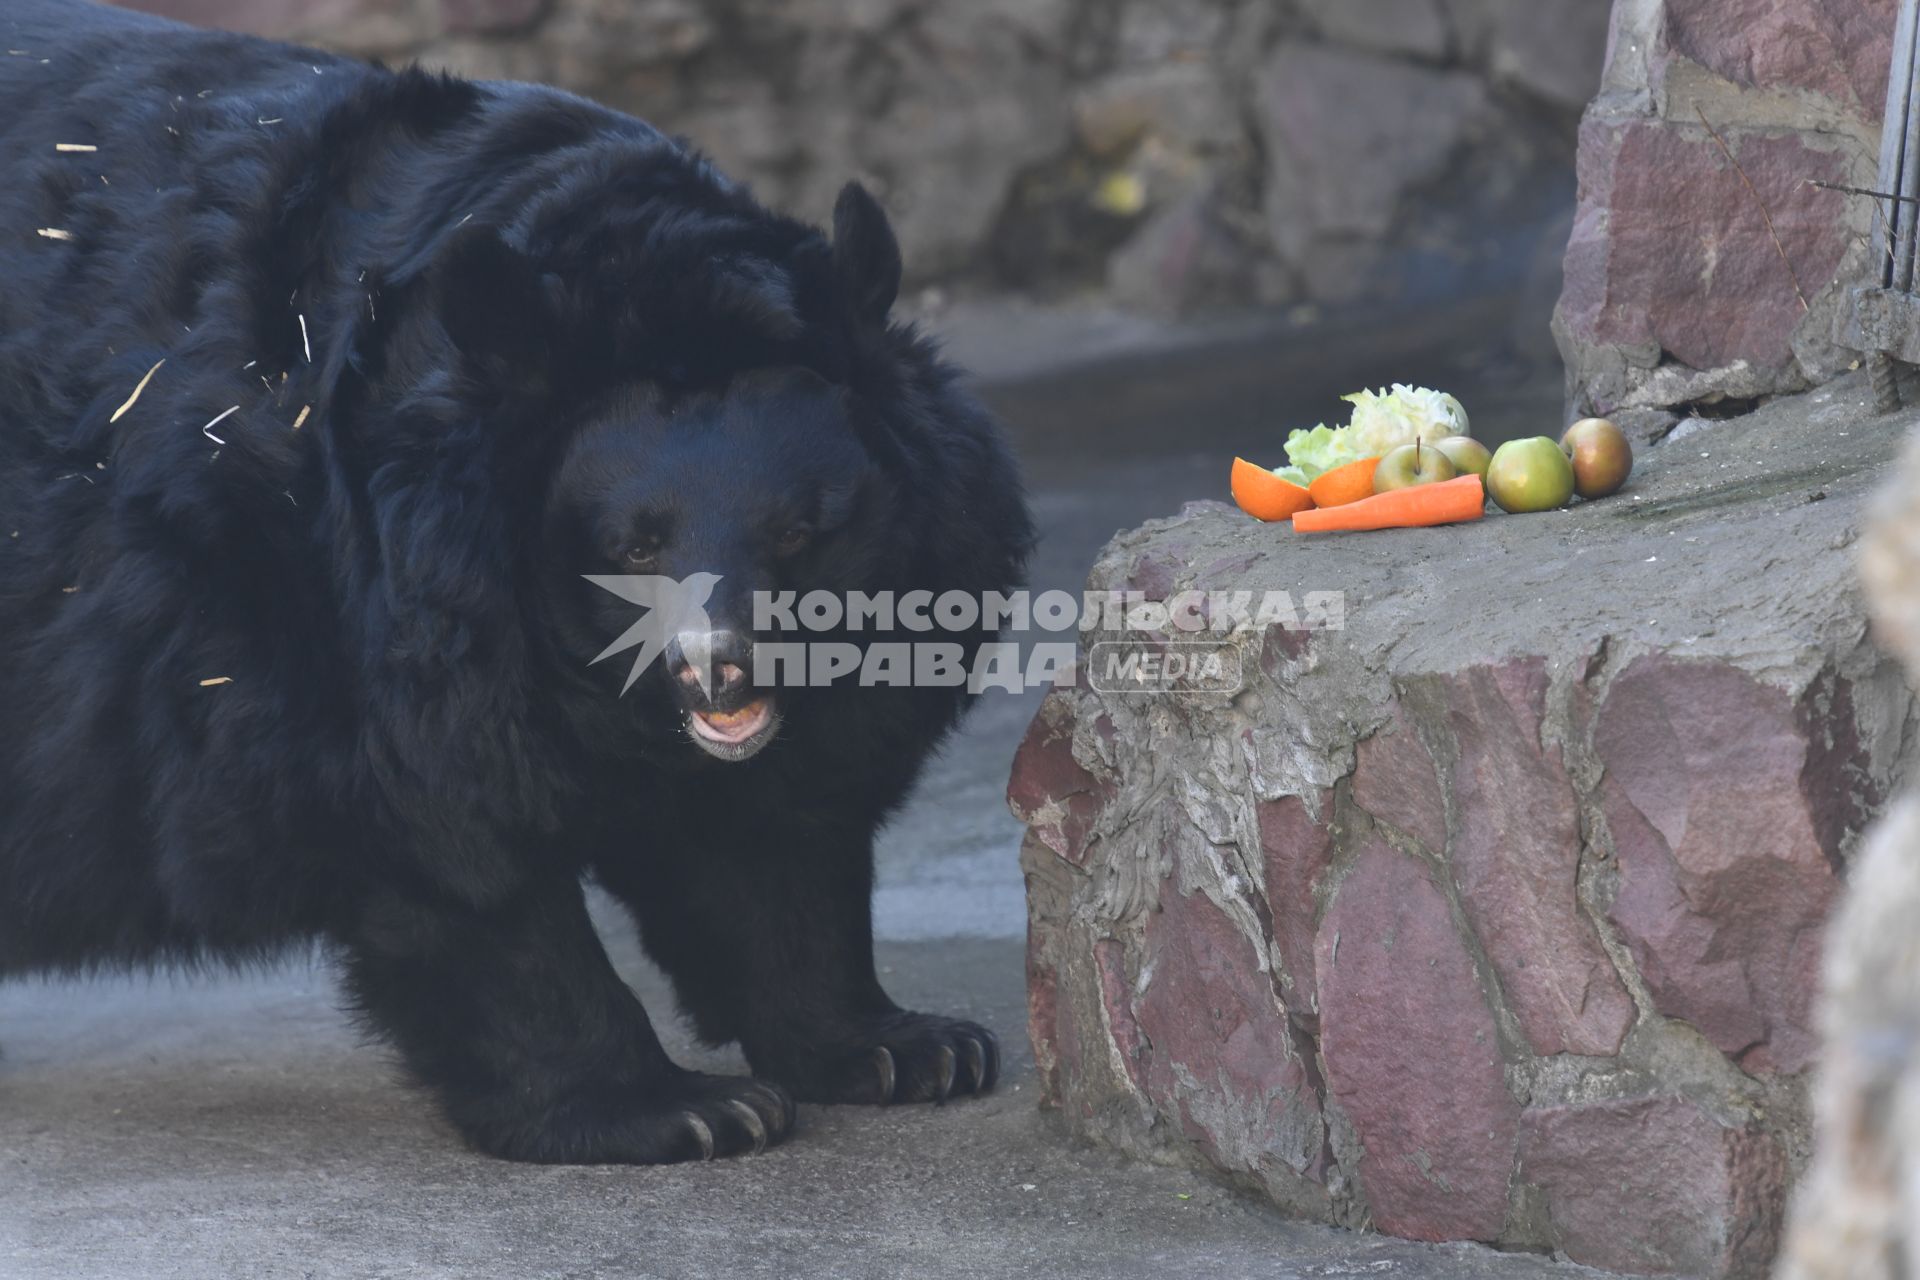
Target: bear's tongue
{"type": "Point", "coordinates": [732, 726]}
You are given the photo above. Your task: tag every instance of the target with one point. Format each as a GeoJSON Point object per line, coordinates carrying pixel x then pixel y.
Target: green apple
{"type": "Point", "coordinates": [1601, 457]}
{"type": "Point", "coordinates": [1411, 464]}
{"type": "Point", "coordinates": [1465, 453]}
{"type": "Point", "coordinates": [1530, 475]}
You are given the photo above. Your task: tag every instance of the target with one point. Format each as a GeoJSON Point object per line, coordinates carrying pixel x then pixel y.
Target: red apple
{"type": "Point", "coordinates": [1601, 457]}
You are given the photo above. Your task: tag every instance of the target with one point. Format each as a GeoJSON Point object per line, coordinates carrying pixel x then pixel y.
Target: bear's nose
{"type": "Point", "coordinates": [727, 677]}
{"type": "Point", "coordinates": [715, 662]}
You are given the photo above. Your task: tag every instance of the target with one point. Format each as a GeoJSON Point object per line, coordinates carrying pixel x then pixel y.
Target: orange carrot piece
{"type": "Point", "coordinates": [1349, 482]}
{"type": "Point", "coordinates": [1264, 495]}
{"type": "Point", "coordinates": [1416, 506]}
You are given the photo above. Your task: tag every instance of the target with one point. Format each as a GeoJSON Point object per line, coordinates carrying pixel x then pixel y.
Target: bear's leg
{"type": "Point", "coordinates": [535, 1047]}
{"type": "Point", "coordinates": [770, 942]}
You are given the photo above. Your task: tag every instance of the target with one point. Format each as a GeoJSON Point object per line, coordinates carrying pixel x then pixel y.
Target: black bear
{"type": "Point", "coordinates": [326, 393]}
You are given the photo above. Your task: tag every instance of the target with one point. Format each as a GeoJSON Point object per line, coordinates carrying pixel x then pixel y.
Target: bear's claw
{"type": "Point", "coordinates": [905, 1057]}
{"type": "Point", "coordinates": [976, 1064]}
{"type": "Point", "coordinates": [751, 1119]}
{"type": "Point", "coordinates": [702, 1133]}
{"type": "Point", "coordinates": [948, 1066]}
{"type": "Point", "coordinates": [883, 1063]}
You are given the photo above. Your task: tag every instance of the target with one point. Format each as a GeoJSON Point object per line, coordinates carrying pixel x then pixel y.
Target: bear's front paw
{"type": "Point", "coordinates": [687, 1116]}
{"type": "Point", "coordinates": [907, 1057]}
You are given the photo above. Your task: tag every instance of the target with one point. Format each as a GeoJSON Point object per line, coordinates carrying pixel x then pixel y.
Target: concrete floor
{"type": "Point", "coordinates": [239, 1127]}
{"type": "Point", "coordinates": [202, 1127]}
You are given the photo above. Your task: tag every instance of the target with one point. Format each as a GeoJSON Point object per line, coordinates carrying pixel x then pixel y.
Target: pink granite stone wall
{"type": "Point", "coordinates": [1345, 1008]}
{"type": "Point", "coordinates": [1496, 915]}
{"type": "Point", "coordinates": [1704, 268]}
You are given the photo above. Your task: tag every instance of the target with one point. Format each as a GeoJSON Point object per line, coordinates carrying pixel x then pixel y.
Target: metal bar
{"type": "Point", "coordinates": [1892, 136]}
{"type": "Point", "coordinates": [1909, 219]}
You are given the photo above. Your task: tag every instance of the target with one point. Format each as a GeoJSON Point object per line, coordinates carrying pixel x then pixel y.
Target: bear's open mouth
{"type": "Point", "coordinates": [736, 734]}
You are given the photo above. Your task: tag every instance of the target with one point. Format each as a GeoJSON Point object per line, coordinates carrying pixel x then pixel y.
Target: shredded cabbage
{"type": "Point", "coordinates": [1321, 449]}
{"type": "Point", "coordinates": [1385, 420]}
{"type": "Point", "coordinates": [1382, 421]}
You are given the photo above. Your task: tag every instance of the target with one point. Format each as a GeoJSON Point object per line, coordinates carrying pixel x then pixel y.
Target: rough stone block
{"type": "Point", "coordinates": [1181, 103]}
{"type": "Point", "coordinates": [1414, 27]}
{"type": "Point", "coordinates": [1223, 1058]}
{"type": "Point", "coordinates": [1411, 1053]}
{"type": "Point", "coordinates": [1839, 48]}
{"type": "Point", "coordinates": [1677, 289]}
{"type": "Point", "coordinates": [988, 127]}
{"type": "Point", "coordinates": [1319, 108]}
{"type": "Point", "coordinates": [1722, 825]}
{"type": "Point", "coordinates": [1547, 47]}
{"type": "Point", "coordinates": [1516, 860]}
{"type": "Point", "coordinates": [1655, 1186]}
{"type": "Point", "coordinates": [1051, 791]}
{"type": "Point", "coordinates": [1178, 259]}
{"type": "Point", "coordinates": [1394, 780]}
{"type": "Point", "coordinates": [1672, 254]}
{"type": "Point", "coordinates": [1494, 914]}
{"type": "Point", "coordinates": [1296, 847]}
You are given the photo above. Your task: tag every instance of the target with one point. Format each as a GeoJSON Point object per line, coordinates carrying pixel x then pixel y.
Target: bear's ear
{"type": "Point", "coordinates": [492, 302]}
{"type": "Point", "coordinates": [866, 257]}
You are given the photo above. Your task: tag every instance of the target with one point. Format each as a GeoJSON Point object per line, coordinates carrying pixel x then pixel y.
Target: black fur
{"type": "Point", "coordinates": [529, 335]}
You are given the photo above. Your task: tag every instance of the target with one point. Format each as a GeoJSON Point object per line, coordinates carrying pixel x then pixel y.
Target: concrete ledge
{"type": "Point", "coordinates": [1495, 915]}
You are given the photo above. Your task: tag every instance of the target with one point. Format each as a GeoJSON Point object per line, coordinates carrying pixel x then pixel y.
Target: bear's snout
{"type": "Point", "coordinates": [726, 716]}
{"type": "Point", "coordinates": [711, 668]}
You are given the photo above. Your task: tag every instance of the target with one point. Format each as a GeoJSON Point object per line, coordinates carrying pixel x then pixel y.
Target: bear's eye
{"type": "Point", "coordinates": [643, 556]}
{"type": "Point", "coordinates": [793, 541]}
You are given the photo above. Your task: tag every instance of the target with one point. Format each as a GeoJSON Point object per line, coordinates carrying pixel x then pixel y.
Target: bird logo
{"type": "Point", "coordinates": [673, 607]}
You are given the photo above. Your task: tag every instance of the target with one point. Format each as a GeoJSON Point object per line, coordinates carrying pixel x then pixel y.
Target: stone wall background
{"type": "Point", "coordinates": [1167, 155]}
{"type": "Point", "coordinates": [1174, 156]}
{"type": "Point", "coordinates": [1706, 270]}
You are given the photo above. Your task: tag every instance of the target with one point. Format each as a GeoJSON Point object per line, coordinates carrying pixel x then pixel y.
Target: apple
{"type": "Point", "coordinates": [1530, 475]}
{"type": "Point", "coordinates": [1601, 457]}
{"type": "Point", "coordinates": [1465, 453]}
{"type": "Point", "coordinates": [1411, 464]}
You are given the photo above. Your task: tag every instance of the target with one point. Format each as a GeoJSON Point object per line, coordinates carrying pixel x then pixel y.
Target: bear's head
{"type": "Point", "coordinates": [693, 417]}
{"type": "Point", "coordinates": [699, 520]}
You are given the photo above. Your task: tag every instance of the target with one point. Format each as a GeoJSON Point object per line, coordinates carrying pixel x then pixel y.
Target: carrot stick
{"type": "Point", "coordinates": [1348, 483]}
{"type": "Point", "coordinates": [1443, 502]}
